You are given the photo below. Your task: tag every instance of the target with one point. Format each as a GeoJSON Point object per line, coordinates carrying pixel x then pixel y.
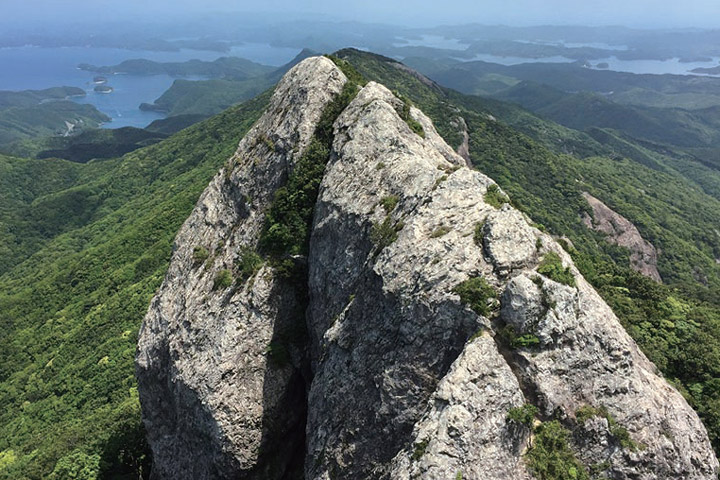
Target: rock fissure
{"type": "Point", "coordinates": [344, 362]}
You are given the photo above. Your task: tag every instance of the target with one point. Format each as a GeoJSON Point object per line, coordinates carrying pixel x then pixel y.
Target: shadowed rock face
{"type": "Point", "coordinates": [398, 378]}
{"type": "Point", "coordinates": [213, 404]}
{"type": "Point", "coordinates": [620, 231]}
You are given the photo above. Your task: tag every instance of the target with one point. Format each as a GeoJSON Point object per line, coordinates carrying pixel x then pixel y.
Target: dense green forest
{"type": "Point", "coordinates": [92, 247]}
{"type": "Point", "coordinates": [86, 246]}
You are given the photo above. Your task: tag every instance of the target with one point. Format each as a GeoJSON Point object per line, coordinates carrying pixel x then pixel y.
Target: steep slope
{"type": "Point", "coordinates": [222, 362]}
{"type": "Point", "coordinates": [546, 168]}
{"type": "Point", "coordinates": [434, 313]}
{"type": "Point", "coordinates": [85, 246]}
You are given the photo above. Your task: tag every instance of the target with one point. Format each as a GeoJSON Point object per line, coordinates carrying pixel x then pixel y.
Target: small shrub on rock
{"type": "Point", "coordinates": [475, 293]}
{"type": "Point", "coordinates": [551, 266]}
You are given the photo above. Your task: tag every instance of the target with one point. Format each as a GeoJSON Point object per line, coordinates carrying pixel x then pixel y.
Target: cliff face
{"type": "Point", "coordinates": [427, 321]}
{"type": "Point", "coordinates": [620, 231]}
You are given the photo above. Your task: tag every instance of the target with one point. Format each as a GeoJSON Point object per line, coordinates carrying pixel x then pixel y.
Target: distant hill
{"type": "Point", "coordinates": [225, 67]}
{"type": "Point", "coordinates": [207, 97]}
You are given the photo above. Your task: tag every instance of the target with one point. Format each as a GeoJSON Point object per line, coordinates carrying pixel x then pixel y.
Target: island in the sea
{"type": "Point", "coordinates": [707, 71]}
{"type": "Point", "coordinates": [104, 89]}
{"type": "Point", "coordinates": [100, 80]}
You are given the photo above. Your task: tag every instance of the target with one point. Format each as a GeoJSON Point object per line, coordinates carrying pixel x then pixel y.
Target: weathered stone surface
{"type": "Point", "coordinates": [621, 231]}
{"type": "Point", "coordinates": [213, 405]}
{"type": "Point", "coordinates": [385, 323]}
{"type": "Point", "coordinates": [401, 384]}
{"type": "Point", "coordinates": [587, 359]}
{"type": "Point", "coordinates": [509, 241]}
{"type": "Point", "coordinates": [466, 430]}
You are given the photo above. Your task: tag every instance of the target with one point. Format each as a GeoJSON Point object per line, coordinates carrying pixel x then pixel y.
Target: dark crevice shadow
{"type": "Point", "coordinates": [389, 375]}
{"type": "Point", "coordinates": [286, 381]}
{"type": "Point", "coordinates": [186, 438]}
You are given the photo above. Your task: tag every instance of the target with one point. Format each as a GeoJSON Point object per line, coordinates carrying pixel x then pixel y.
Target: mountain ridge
{"type": "Point", "coordinates": [407, 247]}
{"type": "Point", "coordinates": [62, 312]}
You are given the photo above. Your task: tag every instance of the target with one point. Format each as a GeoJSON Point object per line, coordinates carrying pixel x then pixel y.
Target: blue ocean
{"type": "Point", "coordinates": [26, 68]}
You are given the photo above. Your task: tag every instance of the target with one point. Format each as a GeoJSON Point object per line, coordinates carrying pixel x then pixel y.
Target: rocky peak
{"type": "Point", "coordinates": [429, 310]}
{"type": "Point", "coordinates": [621, 231]}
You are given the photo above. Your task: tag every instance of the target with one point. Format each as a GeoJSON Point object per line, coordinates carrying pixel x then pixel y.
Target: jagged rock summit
{"type": "Point", "coordinates": [394, 344]}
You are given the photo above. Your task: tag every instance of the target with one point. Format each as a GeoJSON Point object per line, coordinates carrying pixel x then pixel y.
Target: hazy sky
{"type": "Point", "coordinates": [646, 13]}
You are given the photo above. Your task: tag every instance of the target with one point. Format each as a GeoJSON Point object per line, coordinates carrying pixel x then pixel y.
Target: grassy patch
{"type": "Point", "coordinates": [404, 113]}
{"type": "Point", "coordinates": [389, 203]}
{"type": "Point", "coordinates": [619, 433]}
{"type": "Point", "coordinates": [550, 457]}
{"type": "Point", "coordinates": [494, 197]}
{"type": "Point", "coordinates": [440, 231]}
{"type": "Point", "coordinates": [350, 72]}
{"type": "Point", "coordinates": [385, 233]}
{"type": "Point", "coordinates": [200, 254]}
{"type": "Point", "coordinates": [249, 263]}
{"type": "Point", "coordinates": [223, 279]}
{"type": "Point", "coordinates": [478, 235]}
{"type": "Point", "coordinates": [551, 266]}
{"type": "Point", "coordinates": [515, 340]}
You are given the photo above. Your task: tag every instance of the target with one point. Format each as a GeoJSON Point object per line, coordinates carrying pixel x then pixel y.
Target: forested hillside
{"type": "Point", "coordinates": [87, 245]}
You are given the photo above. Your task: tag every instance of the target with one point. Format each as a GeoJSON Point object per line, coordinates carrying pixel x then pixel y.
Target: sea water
{"type": "Point", "coordinates": [35, 68]}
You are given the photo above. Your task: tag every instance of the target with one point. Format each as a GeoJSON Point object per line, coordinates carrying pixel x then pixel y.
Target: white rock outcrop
{"type": "Point", "coordinates": [398, 379]}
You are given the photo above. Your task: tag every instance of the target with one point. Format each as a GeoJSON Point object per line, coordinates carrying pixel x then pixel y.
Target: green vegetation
{"type": "Point", "coordinates": [84, 247]}
{"type": "Point", "coordinates": [236, 80]}
{"type": "Point", "coordinates": [47, 119]}
{"type": "Point", "coordinates": [349, 70]}
{"type": "Point", "coordinates": [200, 254]}
{"type": "Point", "coordinates": [78, 466]}
{"type": "Point", "coordinates": [389, 203]}
{"type": "Point", "coordinates": [475, 293]}
{"type": "Point", "coordinates": [524, 415]}
{"type": "Point", "coordinates": [440, 231]}
{"type": "Point", "coordinates": [287, 224]}
{"type": "Point", "coordinates": [223, 279]}
{"type": "Point", "coordinates": [385, 233]}
{"type": "Point", "coordinates": [405, 114]}
{"type": "Point", "coordinates": [586, 412]}
{"type": "Point", "coordinates": [525, 340]}
{"type": "Point", "coordinates": [248, 263]}
{"type": "Point", "coordinates": [30, 114]}
{"type": "Point", "coordinates": [550, 456]}
{"type": "Point", "coordinates": [223, 67]}
{"type": "Point", "coordinates": [494, 197]}
{"type": "Point", "coordinates": [206, 97]}
{"type": "Point", "coordinates": [478, 234]}
{"type": "Point", "coordinates": [551, 266]}
{"type": "Point", "coordinates": [420, 449]}
{"type": "Point", "coordinates": [598, 468]}
{"type": "Point", "coordinates": [87, 145]}
{"type": "Point", "coordinates": [619, 433]}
